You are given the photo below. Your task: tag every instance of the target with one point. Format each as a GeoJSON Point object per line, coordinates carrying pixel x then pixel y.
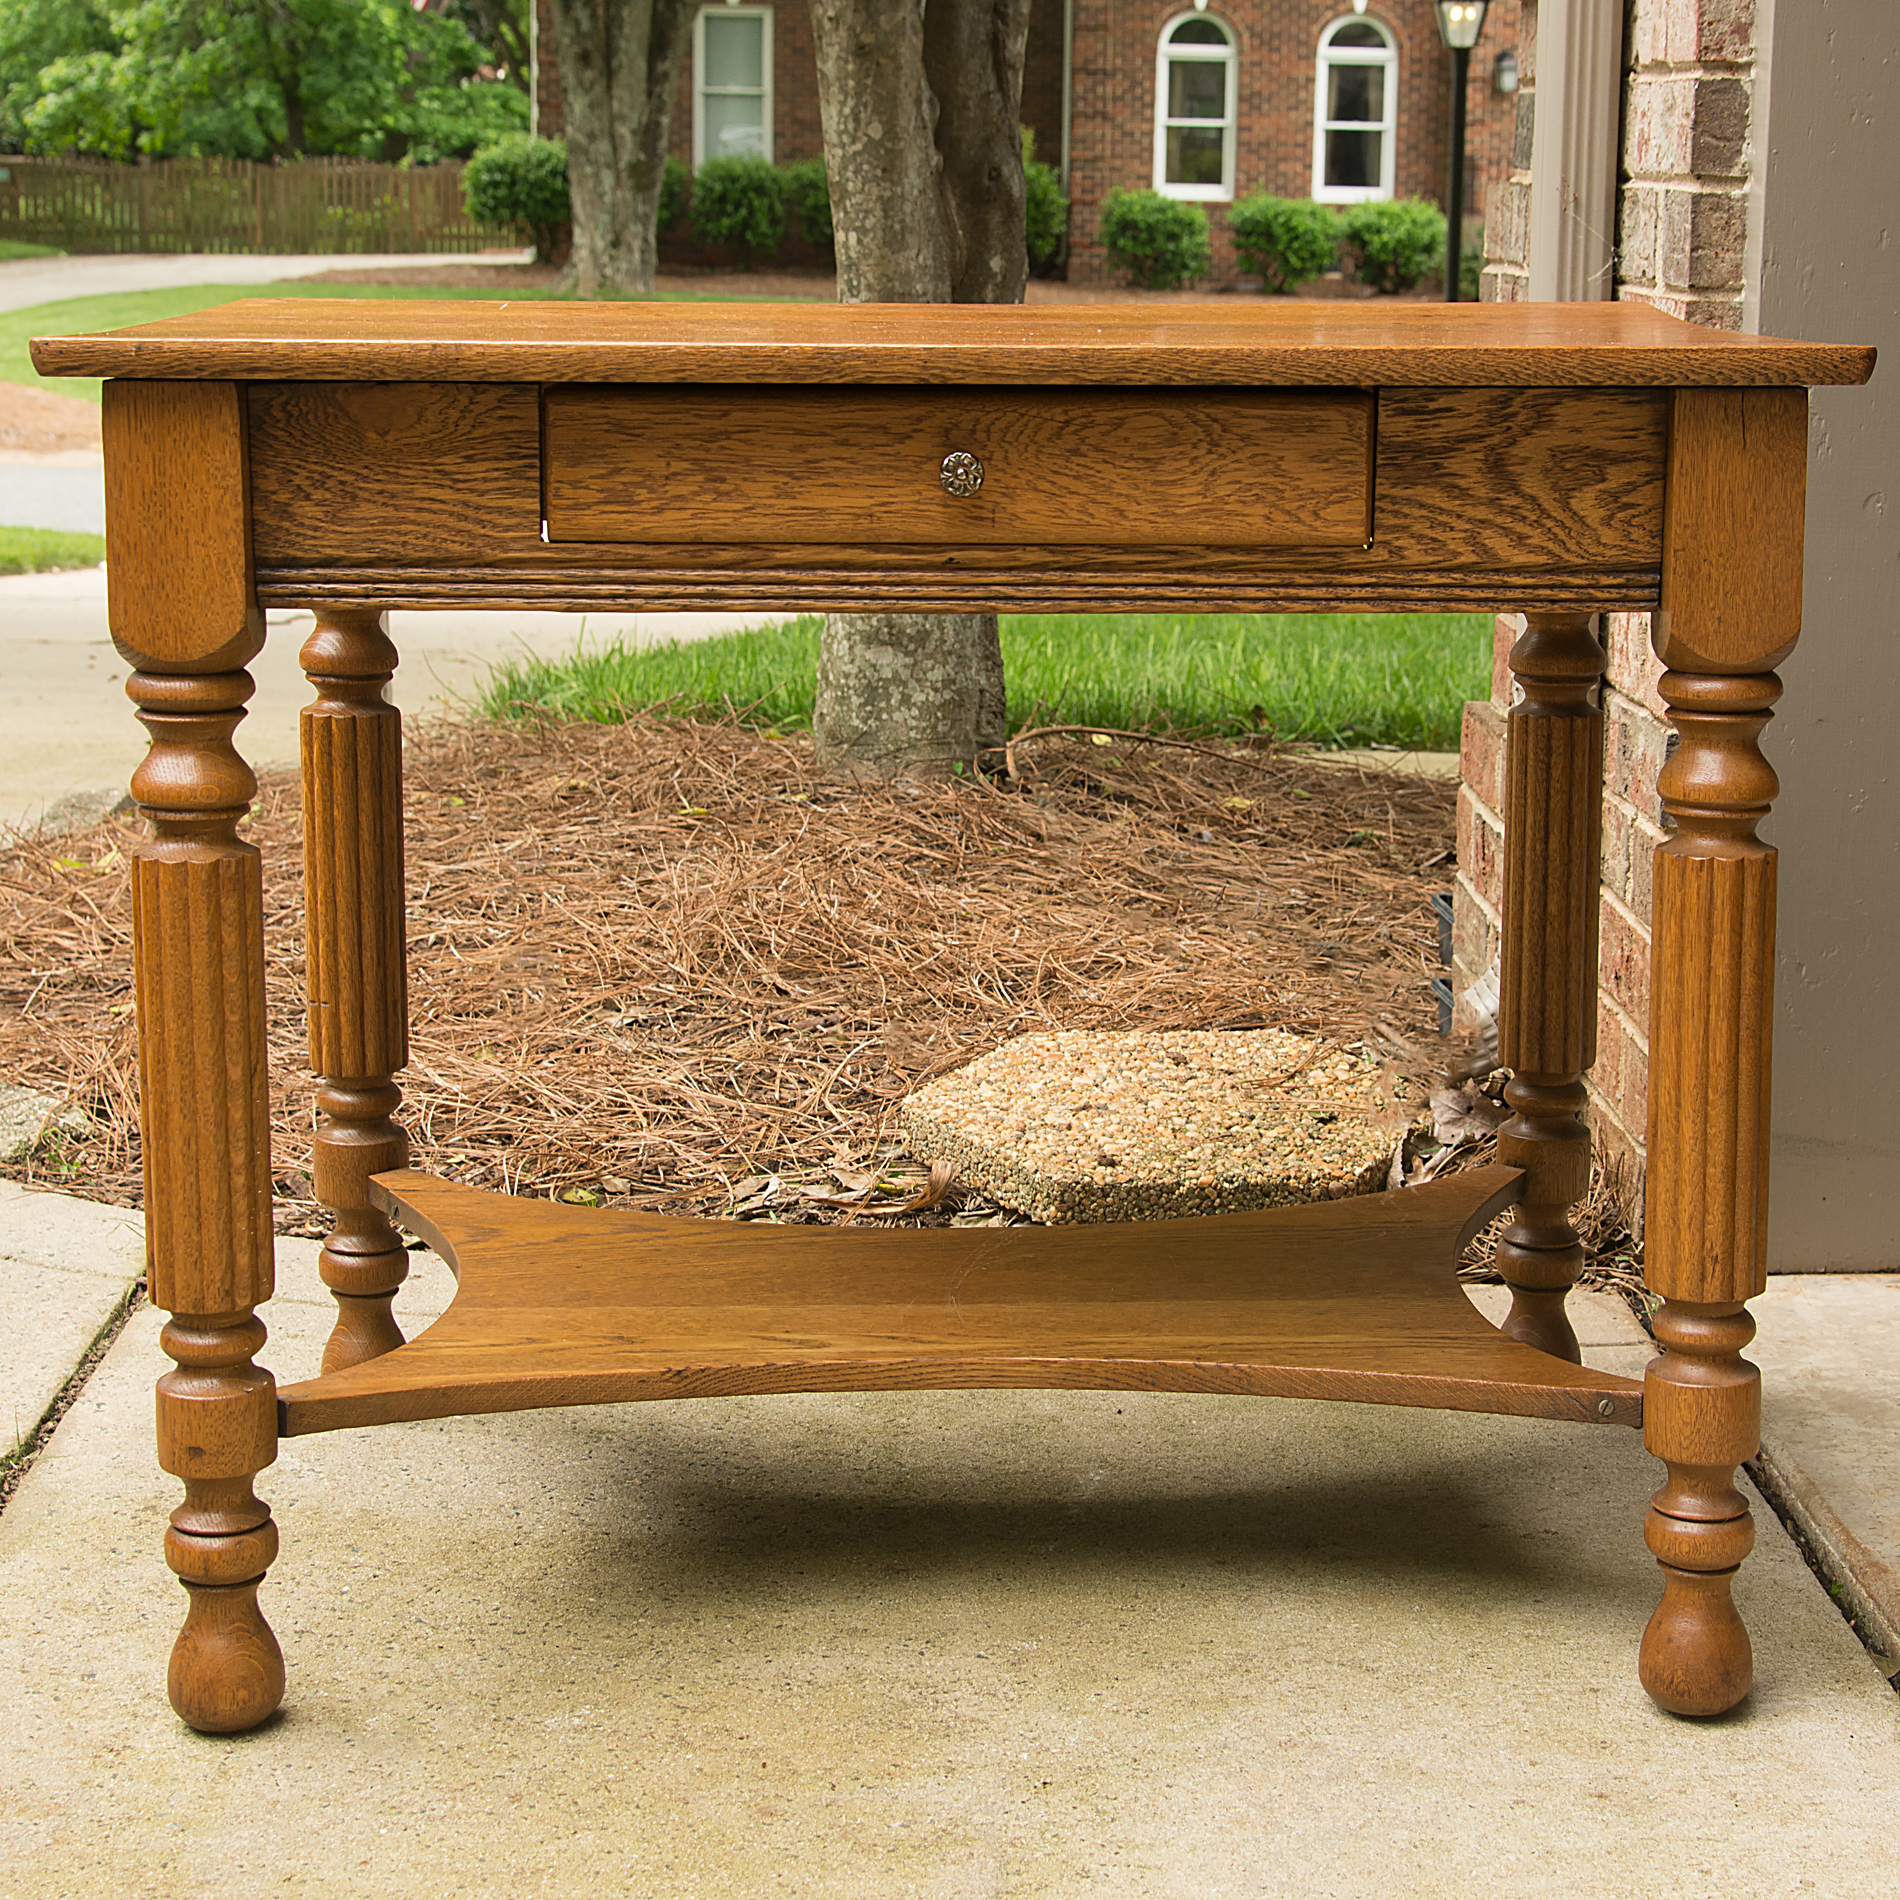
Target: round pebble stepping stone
{"type": "Point", "coordinates": [1085, 1125]}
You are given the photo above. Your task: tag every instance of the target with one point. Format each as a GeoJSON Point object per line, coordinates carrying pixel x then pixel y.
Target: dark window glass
{"type": "Point", "coordinates": [1352, 158]}
{"type": "Point", "coordinates": [1357, 34]}
{"type": "Point", "coordinates": [1197, 89]}
{"type": "Point", "coordinates": [1197, 33]}
{"type": "Point", "coordinates": [1194, 155]}
{"type": "Point", "coordinates": [1356, 93]}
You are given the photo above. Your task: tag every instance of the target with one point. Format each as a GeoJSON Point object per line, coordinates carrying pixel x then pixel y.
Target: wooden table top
{"type": "Point", "coordinates": [1237, 340]}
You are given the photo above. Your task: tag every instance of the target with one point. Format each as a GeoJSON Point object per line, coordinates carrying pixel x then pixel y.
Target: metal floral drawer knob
{"type": "Point", "coordinates": [961, 473]}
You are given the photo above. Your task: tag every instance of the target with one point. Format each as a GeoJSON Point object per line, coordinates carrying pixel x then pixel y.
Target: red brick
{"type": "Point", "coordinates": [1635, 743]}
{"type": "Point", "coordinates": [1481, 755]}
{"type": "Point", "coordinates": [1474, 932]}
{"type": "Point", "coordinates": [1634, 668]}
{"type": "Point", "coordinates": [1620, 1076]}
{"type": "Point", "coordinates": [1480, 848]}
{"type": "Point", "coordinates": [1504, 631]}
{"type": "Point", "coordinates": [1629, 856]}
{"type": "Point", "coordinates": [1622, 958]}
{"type": "Point", "coordinates": [1700, 238]}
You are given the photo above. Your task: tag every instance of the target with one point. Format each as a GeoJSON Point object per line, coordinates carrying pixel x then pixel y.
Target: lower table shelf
{"type": "Point", "coordinates": [556, 1305]}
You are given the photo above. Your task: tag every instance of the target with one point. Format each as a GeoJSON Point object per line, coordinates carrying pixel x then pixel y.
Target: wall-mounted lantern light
{"type": "Point", "coordinates": [1504, 73]}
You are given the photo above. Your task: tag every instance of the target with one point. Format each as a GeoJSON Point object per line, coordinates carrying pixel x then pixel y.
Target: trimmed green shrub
{"type": "Point", "coordinates": [1284, 241]}
{"type": "Point", "coordinates": [741, 202]}
{"type": "Point", "coordinates": [1394, 241]}
{"type": "Point", "coordinates": [676, 193]}
{"type": "Point", "coordinates": [809, 192]}
{"type": "Point", "coordinates": [520, 182]}
{"type": "Point", "coordinates": [1045, 210]}
{"type": "Point", "coordinates": [1160, 242]}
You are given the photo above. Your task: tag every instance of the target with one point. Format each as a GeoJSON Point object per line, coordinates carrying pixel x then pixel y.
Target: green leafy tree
{"type": "Point", "coordinates": [258, 79]}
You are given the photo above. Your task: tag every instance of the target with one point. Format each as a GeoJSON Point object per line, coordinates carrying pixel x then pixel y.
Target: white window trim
{"type": "Point", "coordinates": [1329, 57]}
{"type": "Point", "coordinates": [699, 67]}
{"type": "Point", "coordinates": [1229, 56]}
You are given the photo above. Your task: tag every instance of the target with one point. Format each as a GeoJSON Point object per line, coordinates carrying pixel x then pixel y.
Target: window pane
{"type": "Point", "coordinates": [735, 127]}
{"type": "Point", "coordinates": [1197, 32]}
{"type": "Point", "coordinates": [1197, 89]}
{"type": "Point", "coordinates": [735, 50]}
{"type": "Point", "coordinates": [1357, 33]}
{"type": "Point", "coordinates": [1357, 93]}
{"type": "Point", "coordinates": [1194, 155]}
{"type": "Point", "coordinates": [1352, 158]}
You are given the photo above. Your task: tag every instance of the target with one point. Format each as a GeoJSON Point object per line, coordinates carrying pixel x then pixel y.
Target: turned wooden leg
{"type": "Point", "coordinates": [1711, 1000]}
{"type": "Point", "coordinates": [198, 920]}
{"type": "Point", "coordinates": [359, 1017]}
{"type": "Point", "coordinates": [1547, 1008]}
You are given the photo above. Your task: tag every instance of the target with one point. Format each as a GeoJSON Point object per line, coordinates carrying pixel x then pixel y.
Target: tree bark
{"type": "Point", "coordinates": [920, 101]}
{"type": "Point", "coordinates": [619, 64]}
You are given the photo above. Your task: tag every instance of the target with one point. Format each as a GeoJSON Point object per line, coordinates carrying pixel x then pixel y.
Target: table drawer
{"type": "Point", "coordinates": [1058, 467]}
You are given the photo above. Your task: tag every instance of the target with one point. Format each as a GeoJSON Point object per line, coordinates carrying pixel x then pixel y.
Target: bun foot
{"type": "Point", "coordinates": [227, 1673]}
{"type": "Point", "coordinates": [1696, 1658]}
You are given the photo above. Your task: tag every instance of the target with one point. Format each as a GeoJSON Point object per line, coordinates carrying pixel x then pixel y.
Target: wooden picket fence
{"type": "Point", "coordinates": [312, 205]}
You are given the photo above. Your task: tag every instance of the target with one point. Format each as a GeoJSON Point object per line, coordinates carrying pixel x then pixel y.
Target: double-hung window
{"type": "Point", "coordinates": [1355, 119]}
{"type": "Point", "coordinates": [1194, 108]}
{"type": "Point", "coordinates": [732, 83]}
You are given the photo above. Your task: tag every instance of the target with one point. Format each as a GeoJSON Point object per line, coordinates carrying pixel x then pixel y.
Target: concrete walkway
{"type": "Point", "coordinates": [961, 1644]}
{"type": "Point", "coordinates": [66, 725]}
{"type": "Point", "coordinates": [27, 281]}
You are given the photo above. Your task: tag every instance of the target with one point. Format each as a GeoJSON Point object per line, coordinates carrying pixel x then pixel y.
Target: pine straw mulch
{"type": "Point", "coordinates": [670, 965]}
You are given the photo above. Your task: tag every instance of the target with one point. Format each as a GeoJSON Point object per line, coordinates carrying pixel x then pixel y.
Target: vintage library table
{"type": "Point", "coordinates": [1556, 461]}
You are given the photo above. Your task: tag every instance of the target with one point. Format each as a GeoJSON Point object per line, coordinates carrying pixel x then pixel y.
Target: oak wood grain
{"type": "Point", "coordinates": [1351, 1299]}
{"type": "Point", "coordinates": [1547, 1005]}
{"type": "Point", "coordinates": [1738, 471]}
{"type": "Point", "coordinates": [1180, 580]}
{"type": "Point", "coordinates": [198, 956]}
{"type": "Point", "coordinates": [178, 548]}
{"type": "Point", "coordinates": [393, 471]}
{"type": "Point", "coordinates": [354, 971]}
{"type": "Point", "coordinates": [1245, 468]}
{"type": "Point", "coordinates": [1232, 341]}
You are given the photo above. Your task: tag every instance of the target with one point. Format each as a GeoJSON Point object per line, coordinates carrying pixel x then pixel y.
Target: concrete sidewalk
{"type": "Point", "coordinates": [66, 725]}
{"type": "Point", "coordinates": [27, 281]}
{"type": "Point", "coordinates": [961, 1644]}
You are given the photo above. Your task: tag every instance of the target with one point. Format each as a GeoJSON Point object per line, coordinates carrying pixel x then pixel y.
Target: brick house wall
{"type": "Point", "coordinates": [1681, 224]}
{"type": "Point", "coordinates": [1111, 134]}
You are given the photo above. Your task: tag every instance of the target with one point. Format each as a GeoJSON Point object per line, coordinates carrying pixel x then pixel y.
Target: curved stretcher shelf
{"type": "Point", "coordinates": [555, 1305]}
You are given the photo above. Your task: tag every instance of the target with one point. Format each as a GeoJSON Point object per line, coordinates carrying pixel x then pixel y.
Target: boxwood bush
{"type": "Point", "coordinates": [676, 194]}
{"type": "Point", "coordinates": [741, 202]}
{"type": "Point", "coordinates": [1394, 241]}
{"type": "Point", "coordinates": [1284, 241]}
{"type": "Point", "coordinates": [808, 191]}
{"type": "Point", "coordinates": [520, 183]}
{"type": "Point", "coordinates": [1046, 212]}
{"type": "Point", "coordinates": [1160, 242]}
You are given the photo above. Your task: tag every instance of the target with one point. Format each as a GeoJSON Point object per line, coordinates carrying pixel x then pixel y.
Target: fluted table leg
{"type": "Point", "coordinates": [1547, 1013]}
{"type": "Point", "coordinates": [359, 1019]}
{"type": "Point", "coordinates": [198, 924]}
{"type": "Point", "coordinates": [1711, 1005]}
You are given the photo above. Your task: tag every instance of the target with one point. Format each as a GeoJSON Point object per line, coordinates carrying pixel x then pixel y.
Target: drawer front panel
{"type": "Point", "coordinates": [1060, 467]}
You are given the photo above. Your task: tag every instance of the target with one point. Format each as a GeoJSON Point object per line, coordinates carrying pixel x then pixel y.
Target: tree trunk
{"type": "Point", "coordinates": [619, 63]}
{"type": "Point", "coordinates": [920, 101]}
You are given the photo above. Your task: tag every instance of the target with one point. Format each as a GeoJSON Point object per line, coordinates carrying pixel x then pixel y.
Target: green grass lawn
{"type": "Point", "coordinates": [12, 248]}
{"type": "Point", "coordinates": [46, 550]}
{"type": "Point", "coordinates": [1335, 679]}
{"type": "Point", "coordinates": [79, 314]}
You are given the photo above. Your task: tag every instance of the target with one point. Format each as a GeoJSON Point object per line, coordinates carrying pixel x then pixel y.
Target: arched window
{"type": "Point", "coordinates": [1355, 118]}
{"type": "Point", "coordinates": [1194, 108]}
